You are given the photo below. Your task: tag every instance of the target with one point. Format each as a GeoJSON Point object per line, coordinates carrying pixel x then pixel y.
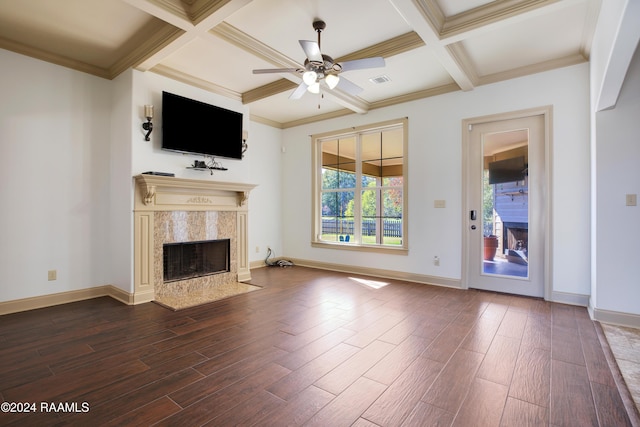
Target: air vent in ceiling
{"type": "Point", "coordinates": [380, 79]}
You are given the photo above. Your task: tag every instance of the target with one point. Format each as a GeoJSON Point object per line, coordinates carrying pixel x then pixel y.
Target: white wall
{"type": "Point", "coordinates": [617, 238]}
{"type": "Point", "coordinates": [435, 161]}
{"type": "Point", "coordinates": [54, 178]}
{"type": "Point", "coordinates": [121, 206]}
{"type": "Point", "coordinates": [265, 201]}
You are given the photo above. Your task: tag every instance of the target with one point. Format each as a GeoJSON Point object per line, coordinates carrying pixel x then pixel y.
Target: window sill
{"type": "Point", "coordinates": [361, 248]}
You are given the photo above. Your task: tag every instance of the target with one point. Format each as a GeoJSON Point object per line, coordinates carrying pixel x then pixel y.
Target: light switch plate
{"type": "Point", "coordinates": [632, 199]}
{"type": "Point", "coordinates": [439, 203]}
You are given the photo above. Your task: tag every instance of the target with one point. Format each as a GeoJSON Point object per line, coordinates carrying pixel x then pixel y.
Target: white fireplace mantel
{"type": "Point", "coordinates": [155, 193]}
{"type": "Point", "coordinates": [158, 192]}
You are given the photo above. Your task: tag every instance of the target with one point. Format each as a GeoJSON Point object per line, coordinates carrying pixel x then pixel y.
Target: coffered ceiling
{"type": "Point", "coordinates": [429, 46]}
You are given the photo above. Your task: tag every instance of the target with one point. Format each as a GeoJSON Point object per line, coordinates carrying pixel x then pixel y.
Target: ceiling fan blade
{"type": "Point", "coordinates": [348, 86]}
{"type": "Point", "coordinates": [275, 70]}
{"type": "Point", "coordinates": [300, 90]}
{"type": "Point", "coordinates": [312, 50]}
{"type": "Point", "coordinates": [360, 64]}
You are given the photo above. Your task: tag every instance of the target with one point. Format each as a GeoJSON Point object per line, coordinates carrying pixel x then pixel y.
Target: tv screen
{"type": "Point", "coordinates": [508, 170]}
{"type": "Point", "coordinates": [190, 126]}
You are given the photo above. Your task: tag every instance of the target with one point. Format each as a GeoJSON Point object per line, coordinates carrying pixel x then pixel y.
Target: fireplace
{"type": "Point", "coordinates": [174, 212]}
{"type": "Point", "coordinates": [194, 259]}
{"type": "Point", "coordinates": [516, 241]}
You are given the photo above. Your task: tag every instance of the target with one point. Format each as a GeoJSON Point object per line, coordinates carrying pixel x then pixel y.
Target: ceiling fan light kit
{"type": "Point", "coordinates": [320, 69]}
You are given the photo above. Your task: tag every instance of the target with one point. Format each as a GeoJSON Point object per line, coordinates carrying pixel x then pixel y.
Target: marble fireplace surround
{"type": "Point", "coordinates": [170, 210]}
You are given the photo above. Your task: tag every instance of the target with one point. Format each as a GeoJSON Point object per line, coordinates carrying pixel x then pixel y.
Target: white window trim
{"type": "Point", "coordinates": [316, 180]}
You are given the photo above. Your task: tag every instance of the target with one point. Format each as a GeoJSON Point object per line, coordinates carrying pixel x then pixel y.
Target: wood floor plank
{"type": "Point", "coordinates": [566, 345]}
{"type": "Point", "coordinates": [400, 358]}
{"type": "Point", "coordinates": [449, 390]}
{"type": "Point", "coordinates": [571, 399]}
{"type": "Point", "coordinates": [306, 375]}
{"type": "Point", "coordinates": [350, 370]}
{"type": "Point", "coordinates": [225, 378]}
{"type": "Point", "coordinates": [532, 377]}
{"type": "Point", "coordinates": [500, 361]}
{"type": "Point", "coordinates": [428, 415]}
{"type": "Point", "coordinates": [399, 400]}
{"type": "Point", "coordinates": [483, 405]}
{"type": "Point", "coordinates": [305, 354]}
{"type": "Point", "coordinates": [481, 335]}
{"type": "Point", "coordinates": [609, 406]}
{"type": "Point", "coordinates": [524, 414]}
{"type": "Point", "coordinates": [537, 333]}
{"type": "Point", "coordinates": [443, 347]}
{"type": "Point", "coordinates": [596, 362]}
{"type": "Point", "coordinates": [298, 409]}
{"type": "Point", "coordinates": [513, 324]}
{"type": "Point", "coordinates": [345, 409]}
{"type": "Point", "coordinates": [148, 414]}
{"type": "Point", "coordinates": [249, 412]}
{"type": "Point", "coordinates": [366, 336]}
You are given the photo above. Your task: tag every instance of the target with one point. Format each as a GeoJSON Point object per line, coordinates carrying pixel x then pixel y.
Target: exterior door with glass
{"type": "Point", "coordinates": [505, 189]}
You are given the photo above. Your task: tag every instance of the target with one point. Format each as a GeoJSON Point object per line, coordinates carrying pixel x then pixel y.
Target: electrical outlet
{"type": "Point", "coordinates": [257, 249]}
{"type": "Point", "coordinates": [52, 275]}
{"type": "Point", "coordinates": [436, 261]}
{"type": "Point", "coordinates": [632, 199]}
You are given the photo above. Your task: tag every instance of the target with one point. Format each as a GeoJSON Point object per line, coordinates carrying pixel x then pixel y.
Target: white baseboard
{"type": "Point", "coordinates": [615, 317]}
{"type": "Point", "coordinates": [377, 272]}
{"type": "Point", "coordinates": [571, 299]}
{"type": "Point", "coordinates": [42, 301]}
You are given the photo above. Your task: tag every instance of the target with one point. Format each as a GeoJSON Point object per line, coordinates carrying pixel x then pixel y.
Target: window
{"type": "Point", "coordinates": [360, 187]}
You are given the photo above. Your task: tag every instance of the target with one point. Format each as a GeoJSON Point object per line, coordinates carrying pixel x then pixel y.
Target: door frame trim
{"type": "Point", "coordinates": [547, 217]}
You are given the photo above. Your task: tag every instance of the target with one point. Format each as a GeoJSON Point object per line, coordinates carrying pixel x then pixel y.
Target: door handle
{"type": "Point", "coordinates": [472, 215]}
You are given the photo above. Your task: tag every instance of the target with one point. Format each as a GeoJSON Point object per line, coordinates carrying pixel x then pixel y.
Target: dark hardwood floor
{"type": "Point", "coordinates": [311, 348]}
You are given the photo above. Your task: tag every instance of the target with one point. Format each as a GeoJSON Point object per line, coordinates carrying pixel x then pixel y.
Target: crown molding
{"type": "Point", "coordinates": [532, 69]}
{"type": "Point", "coordinates": [175, 7]}
{"type": "Point", "coordinates": [42, 55]}
{"type": "Point", "coordinates": [414, 96]}
{"type": "Point", "coordinates": [174, 74]}
{"type": "Point", "coordinates": [317, 118]}
{"type": "Point", "coordinates": [489, 14]}
{"type": "Point", "coordinates": [265, 121]}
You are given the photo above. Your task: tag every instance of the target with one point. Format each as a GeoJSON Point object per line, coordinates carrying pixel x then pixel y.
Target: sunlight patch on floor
{"type": "Point", "coordinates": [374, 284]}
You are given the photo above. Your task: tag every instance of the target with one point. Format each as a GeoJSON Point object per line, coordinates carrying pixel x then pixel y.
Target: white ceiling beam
{"type": "Point", "coordinates": [194, 23]}
{"type": "Point", "coordinates": [496, 15]}
{"type": "Point", "coordinates": [625, 42]}
{"type": "Point", "coordinates": [421, 17]}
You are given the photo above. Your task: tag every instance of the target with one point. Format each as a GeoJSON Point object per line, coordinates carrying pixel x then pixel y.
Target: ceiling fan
{"type": "Point", "coordinates": [320, 69]}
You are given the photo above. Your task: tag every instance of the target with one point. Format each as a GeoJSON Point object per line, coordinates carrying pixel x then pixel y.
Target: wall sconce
{"type": "Point", "coordinates": [245, 146]}
{"type": "Point", "coordinates": [148, 113]}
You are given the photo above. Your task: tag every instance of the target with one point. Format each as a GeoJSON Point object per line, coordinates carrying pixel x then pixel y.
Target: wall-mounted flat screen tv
{"type": "Point", "coordinates": [190, 126]}
{"type": "Point", "coordinates": [508, 170]}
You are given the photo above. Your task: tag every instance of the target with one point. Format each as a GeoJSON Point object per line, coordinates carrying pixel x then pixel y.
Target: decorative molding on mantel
{"type": "Point", "coordinates": [170, 193]}
{"type": "Point", "coordinates": [157, 193]}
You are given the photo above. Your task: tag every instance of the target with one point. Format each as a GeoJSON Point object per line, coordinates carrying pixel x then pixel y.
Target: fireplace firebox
{"type": "Point", "coordinates": [195, 259]}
